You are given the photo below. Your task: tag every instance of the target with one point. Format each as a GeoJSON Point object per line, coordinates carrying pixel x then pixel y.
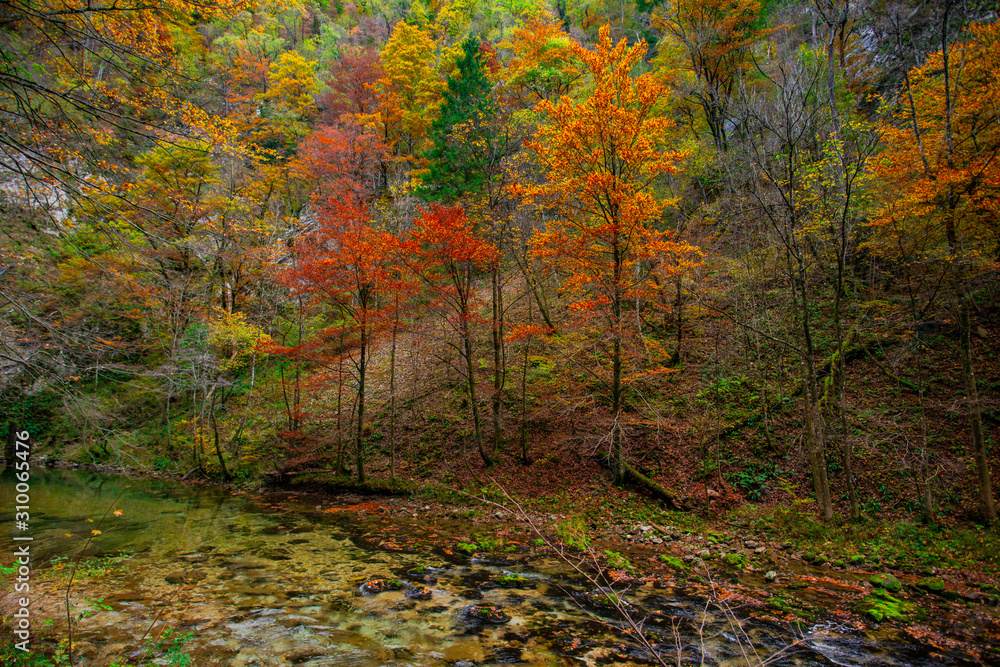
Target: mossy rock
{"type": "Point", "coordinates": [419, 571]}
{"type": "Point", "coordinates": [931, 584]}
{"type": "Point", "coordinates": [886, 581]}
{"type": "Point", "coordinates": [881, 606]}
{"type": "Point", "coordinates": [735, 561]}
{"type": "Point", "coordinates": [486, 613]}
{"type": "Point", "coordinates": [781, 603]}
{"type": "Point", "coordinates": [511, 581]}
{"type": "Point", "coordinates": [673, 562]}
{"type": "Point", "coordinates": [856, 559]}
{"type": "Point", "coordinates": [468, 548]}
{"type": "Point", "coordinates": [808, 556]}
{"type": "Point", "coordinates": [376, 586]}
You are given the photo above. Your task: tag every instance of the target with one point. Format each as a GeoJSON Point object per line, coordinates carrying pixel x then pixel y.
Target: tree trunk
{"type": "Point", "coordinates": [975, 410]}
{"type": "Point", "coordinates": [215, 434]}
{"type": "Point", "coordinates": [359, 453]}
{"type": "Point", "coordinates": [617, 446]}
{"type": "Point", "coordinates": [499, 371]}
{"type": "Point", "coordinates": [470, 377]}
{"type": "Point", "coordinates": [392, 391]}
{"type": "Point", "coordinates": [524, 395]}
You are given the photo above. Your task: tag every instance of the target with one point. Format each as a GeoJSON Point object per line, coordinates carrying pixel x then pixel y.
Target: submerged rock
{"type": "Point", "coordinates": [376, 586]}
{"type": "Point", "coordinates": [511, 581]}
{"type": "Point", "coordinates": [486, 613]}
{"type": "Point", "coordinates": [419, 593]}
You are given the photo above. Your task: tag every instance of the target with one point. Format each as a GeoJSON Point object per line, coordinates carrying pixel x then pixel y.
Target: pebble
{"type": "Point", "coordinates": [771, 575]}
{"type": "Point", "coordinates": [760, 550]}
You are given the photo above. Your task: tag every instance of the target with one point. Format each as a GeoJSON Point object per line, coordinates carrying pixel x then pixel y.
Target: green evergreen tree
{"type": "Point", "coordinates": [461, 132]}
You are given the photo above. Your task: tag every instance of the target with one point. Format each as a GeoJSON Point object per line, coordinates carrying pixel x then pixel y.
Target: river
{"type": "Point", "coordinates": [281, 579]}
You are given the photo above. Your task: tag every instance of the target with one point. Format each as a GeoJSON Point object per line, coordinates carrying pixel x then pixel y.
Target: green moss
{"type": "Point", "coordinates": [673, 562]}
{"type": "Point", "coordinates": [931, 584]}
{"type": "Point", "coordinates": [735, 561]}
{"type": "Point", "coordinates": [467, 547]}
{"type": "Point", "coordinates": [856, 559]}
{"type": "Point", "coordinates": [512, 581]}
{"type": "Point", "coordinates": [616, 561]}
{"type": "Point", "coordinates": [573, 533]}
{"type": "Point", "coordinates": [881, 606]}
{"type": "Point", "coordinates": [781, 603]}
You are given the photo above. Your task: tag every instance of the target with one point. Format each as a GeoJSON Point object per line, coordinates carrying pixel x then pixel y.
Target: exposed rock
{"type": "Point", "coordinates": [931, 584]}
{"type": "Point", "coordinates": [886, 581]}
{"type": "Point", "coordinates": [771, 575]}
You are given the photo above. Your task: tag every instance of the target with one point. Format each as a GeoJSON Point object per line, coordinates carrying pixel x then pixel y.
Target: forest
{"type": "Point", "coordinates": [718, 252]}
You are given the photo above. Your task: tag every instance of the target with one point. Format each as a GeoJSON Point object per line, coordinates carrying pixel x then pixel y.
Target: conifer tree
{"type": "Point", "coordinates": [461, 130]}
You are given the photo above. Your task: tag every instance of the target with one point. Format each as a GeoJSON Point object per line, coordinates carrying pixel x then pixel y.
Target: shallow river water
{"type": "Point", "coordinates": [278, 580]}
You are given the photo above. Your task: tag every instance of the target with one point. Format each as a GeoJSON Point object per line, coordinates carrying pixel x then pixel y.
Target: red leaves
{"type": "Point", "coordinates": [444, 236]}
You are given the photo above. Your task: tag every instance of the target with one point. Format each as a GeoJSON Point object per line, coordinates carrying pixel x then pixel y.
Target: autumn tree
{"type": "Point", "coordinates": [445, 254]}
{"type": "Point", "coordinates": [602, 159]}
{"type": "Point", "coordinates": [941, 167]}
{"type": "Point", "coordinates": [409, 91]}
{"type": "Point", "coordinates": [351, 85]}
{"type": "Point", "coordinates": [543, 64]}
{"type": "Point", "coordinates": [473, 138]}
{"type": "Point", "coordinates": [342, 263]}
{"type": "Point", "coordinates": [717, 35]}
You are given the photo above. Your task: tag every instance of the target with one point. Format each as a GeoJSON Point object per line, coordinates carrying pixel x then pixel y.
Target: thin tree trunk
{"type": "Point", "coordinates": [359, 452]}
{"type": "Point", "coordinates": [340, 412]}
{"type": "Point", "coordinates": [218, 449]}
{"type": "Point", "coordinates": [499, 371]}
{"type": "Point", "coordinates": [471, 384]}
{"type": "Point", "coordinates": [617, 446]}
{"type": "Point", "coordinates": [975, 410]}
{"type": "Point", "coordinates": [524, 394]}
{"type": "Point", "coordinates": [392, 390]}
